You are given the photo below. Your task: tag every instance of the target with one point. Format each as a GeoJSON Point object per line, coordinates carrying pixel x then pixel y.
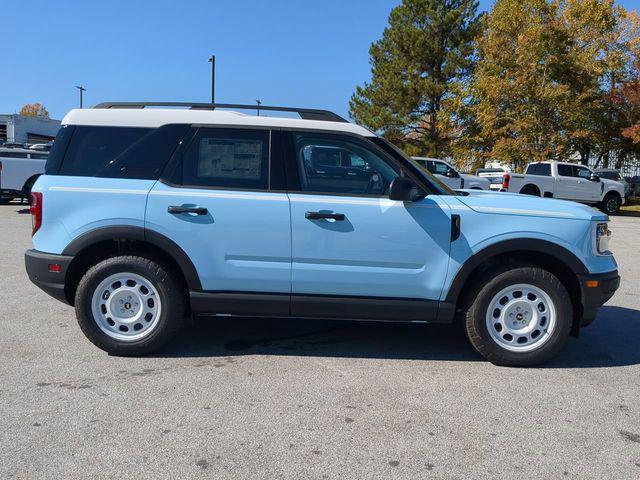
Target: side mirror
{"type": "Point", "coordinates": [594, 178]}
{"type": "Point", "coordinates": [451, 173]}
{"type": "Point", "coordinates": [404, 190]}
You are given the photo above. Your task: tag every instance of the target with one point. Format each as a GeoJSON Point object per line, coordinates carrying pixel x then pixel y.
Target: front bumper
{"type": "Point", "coordinates": [595, 290]}
{"type": "Point", "coordinates": [48, 271]}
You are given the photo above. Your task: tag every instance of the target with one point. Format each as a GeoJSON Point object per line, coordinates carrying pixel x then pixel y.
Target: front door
{"type": "Point", "coordinates": [349, 240]}
{"type": "Point", "coordinates": [219, 208]}
{"type": "Point", "coordinates": [586, 190]}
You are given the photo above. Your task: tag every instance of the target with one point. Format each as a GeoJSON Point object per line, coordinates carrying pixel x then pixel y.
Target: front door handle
{"type": "Point", "coordinates": [175, 209]}
{"type": "Point", "coordinates": [339, 217]}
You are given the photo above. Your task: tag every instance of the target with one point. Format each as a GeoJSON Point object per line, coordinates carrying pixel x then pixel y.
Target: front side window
{"type": "Point", "coordinates": [583, 172]}
{"type": "Point", "coordinates": [339, 164]}
{"type": "Point", "coordinates": [227, 158]}
{"type": "Point", "coordinates": [440, 168]}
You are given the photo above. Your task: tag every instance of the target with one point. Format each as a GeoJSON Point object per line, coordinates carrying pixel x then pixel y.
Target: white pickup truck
{"type": "Point", "coordinates": [566, 181]}
{"type": "Point", "coordinates": [448, 175]}
{"type": "Point", "coordinates": [19, 169]}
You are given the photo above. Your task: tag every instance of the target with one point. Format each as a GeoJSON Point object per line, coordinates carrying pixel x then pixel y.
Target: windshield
{"type": "Point", "coordinates": [390, 148]}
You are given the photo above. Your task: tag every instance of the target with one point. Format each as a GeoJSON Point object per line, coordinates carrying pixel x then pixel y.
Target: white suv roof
{"type": "Point", "coordinates": [136, 115]}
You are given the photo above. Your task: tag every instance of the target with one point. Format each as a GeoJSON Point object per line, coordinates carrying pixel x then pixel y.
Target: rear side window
{"type": "Point", "coordinates": [93, 148]}
{"type": "Point", "coordinates": [227, 158]}
{"type": "Point", "coordinates": [543, 169]}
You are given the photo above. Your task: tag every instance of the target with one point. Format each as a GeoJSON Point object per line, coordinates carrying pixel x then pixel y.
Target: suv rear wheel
{"type": "Point", "coordinates": [518, 316]}
{"type": "Point", "coordinates": [129, 305]}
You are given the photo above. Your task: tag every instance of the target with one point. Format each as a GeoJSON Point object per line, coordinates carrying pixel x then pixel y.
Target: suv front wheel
{"type": "Point", "coordinates": [129, 305]}
{"type": "Point", "coordinates": [518, 315]}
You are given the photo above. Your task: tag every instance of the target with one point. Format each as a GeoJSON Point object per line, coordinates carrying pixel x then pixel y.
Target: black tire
{"type": "Point", "coordinates": [482, 291]}
{"type": "Point", "coordinates": [171, 294]}
{"type": "Point", "coordinates": [611, 204]}
{"type": "Point", "coordinates": [530, 190]}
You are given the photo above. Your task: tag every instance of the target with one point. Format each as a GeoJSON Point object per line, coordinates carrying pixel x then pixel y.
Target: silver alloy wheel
{"type": "Point", "coordinates": [521, 318]}
{"type": "Point", "coordinates": [126, 306]}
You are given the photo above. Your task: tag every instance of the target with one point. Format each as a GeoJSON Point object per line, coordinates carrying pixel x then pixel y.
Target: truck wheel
{"type": "Point", "coordinates": [129, 305]}
{"type": "Point", "coordinates": [611, 204]}
{"type": "Point", "coordinates": [530, 190]}
{"type": "Point", "coordinates": [518, 315]}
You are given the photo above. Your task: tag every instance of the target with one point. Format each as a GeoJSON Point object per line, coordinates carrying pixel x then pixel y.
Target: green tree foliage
{"type": "Point", "coordinates": [419, 68]}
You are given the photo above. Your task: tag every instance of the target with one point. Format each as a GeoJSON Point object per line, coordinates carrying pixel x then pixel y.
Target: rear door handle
{"type": "Point", "coordinates": [339, 217]}
{"type": "Point", "coordinates": [175, 209]}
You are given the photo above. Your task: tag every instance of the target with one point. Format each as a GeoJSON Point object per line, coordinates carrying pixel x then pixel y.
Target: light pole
{"type": "Point", "coordinates": [259, 102]}
{"type": "Point", "coordinates": [82, 89]}
{"type": "Point", "coordinates": [212, 60]}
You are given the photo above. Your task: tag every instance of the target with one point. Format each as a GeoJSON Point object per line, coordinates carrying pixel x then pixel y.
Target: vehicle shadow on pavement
{"type": "Point", "coordinates": [322, 338]}
{"type": "Point", "coordinates": [611, 341]}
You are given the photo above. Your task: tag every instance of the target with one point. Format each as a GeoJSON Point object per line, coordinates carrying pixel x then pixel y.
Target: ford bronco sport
{"type": "Point", "coordinates": [147, 216]}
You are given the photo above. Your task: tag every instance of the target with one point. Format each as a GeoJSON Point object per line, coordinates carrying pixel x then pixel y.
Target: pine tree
{"type": "Point", "coordinates": [425, 55]}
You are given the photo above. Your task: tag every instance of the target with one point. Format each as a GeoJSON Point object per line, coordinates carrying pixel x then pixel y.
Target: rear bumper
{"type": "Point", "coordinates": [596, 290]}
{"type": "Point", "coordinates": [39, 268]}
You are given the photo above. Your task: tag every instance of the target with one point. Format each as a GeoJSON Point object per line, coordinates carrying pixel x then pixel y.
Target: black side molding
{"type": "Point", "coordinates": [455, 227]}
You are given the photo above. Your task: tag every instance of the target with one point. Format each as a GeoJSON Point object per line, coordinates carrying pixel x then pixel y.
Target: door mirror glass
{"type": "Point", "coordinates": [404, 190]}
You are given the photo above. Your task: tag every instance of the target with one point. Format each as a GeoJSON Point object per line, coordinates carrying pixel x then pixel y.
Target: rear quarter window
{"type": "Point", "coordinates": [114, 152]}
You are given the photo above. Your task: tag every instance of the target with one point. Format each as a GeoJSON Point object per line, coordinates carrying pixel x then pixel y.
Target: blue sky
{"type": "Point", "coordinates": [287, 52]}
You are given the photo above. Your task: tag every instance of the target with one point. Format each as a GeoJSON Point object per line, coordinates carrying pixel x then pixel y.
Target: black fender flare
{"type": "Point", "coordinates": [130, 232]}
{"type": "Point", "coordinates": [504, 247]}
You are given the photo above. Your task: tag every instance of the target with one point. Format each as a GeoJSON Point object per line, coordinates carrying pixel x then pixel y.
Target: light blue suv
{"type": "Point", "coordinates": [147, 216]}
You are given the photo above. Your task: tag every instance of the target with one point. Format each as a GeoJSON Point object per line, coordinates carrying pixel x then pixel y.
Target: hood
{"type": "Point", "coordinates": [483, 201]}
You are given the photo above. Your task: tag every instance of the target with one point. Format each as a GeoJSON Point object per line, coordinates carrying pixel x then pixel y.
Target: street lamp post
{"type": "Point", "coordinates": [259, 102]}
{"type": "Point", "coordinates": [82, 89]}
{"type": "Point", "coordinates": [212, 60]}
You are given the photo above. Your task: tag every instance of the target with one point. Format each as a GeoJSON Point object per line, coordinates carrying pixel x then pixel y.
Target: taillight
{"type": "Point", "coordinates": [36, 211]}
{"type": "Point", "coordinates": [505, 180]}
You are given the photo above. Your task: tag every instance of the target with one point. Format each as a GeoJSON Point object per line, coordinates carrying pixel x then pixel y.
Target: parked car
{"type": "Point", "coordinates": [494, 175]}
{"type": "Point", "coordinates": [613, 174]}
{"type": "Point", "coordinates": [147, 216]}
{"type": "Point", "coordinates": [448, 175]}
{"type": "Point", "coordinates": [19, 169]}
{"type": "Point", "coordinates": [567, 181]}
{"type": "Point", "coordinates": [634, 185]}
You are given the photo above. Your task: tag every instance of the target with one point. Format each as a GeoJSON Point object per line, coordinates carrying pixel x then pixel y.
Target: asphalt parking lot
{"type": "Point", "coordinates": [252, 398]}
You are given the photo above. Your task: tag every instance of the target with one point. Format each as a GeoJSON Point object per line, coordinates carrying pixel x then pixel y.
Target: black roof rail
{"type": "Point", "coordinates": [305, 113]}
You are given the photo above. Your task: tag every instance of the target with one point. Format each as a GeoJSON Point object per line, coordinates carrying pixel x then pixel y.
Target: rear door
{"type": "Point", "coordinates": [221, 202]}
{"type": "Point", "coordinates": [350, 242]}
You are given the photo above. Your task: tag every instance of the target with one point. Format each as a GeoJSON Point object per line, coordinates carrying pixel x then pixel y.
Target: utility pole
{"type": "Point", "coordinates": [82, 89]}
{"type": "Point", "coordinates": [212, 60]}
{"type": "Point", "coordinates": [259, 102]}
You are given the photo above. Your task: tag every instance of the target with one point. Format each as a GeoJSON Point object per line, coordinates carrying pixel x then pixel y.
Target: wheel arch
{"type": "Point", "coordinates": [530, 186]}
{"type": "Point", "coordinates": [558, 260]}
{"type": "Point", "coordinates": [102, 242]}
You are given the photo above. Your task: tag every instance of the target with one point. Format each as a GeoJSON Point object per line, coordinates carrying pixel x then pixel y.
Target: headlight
{"type": "Point", "coordinates": [603, 235]}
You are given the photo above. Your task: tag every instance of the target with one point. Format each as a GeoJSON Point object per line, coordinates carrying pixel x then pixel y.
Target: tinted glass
{"type": "Point", "coordinates": [609, 175]}
{"type": "Point", "coordinates": [539, 169]}
{"type": "Point", "coordinates": [13, 154]}
{"type": "Point", "coordinates": [93, 148]}
{"type": "Point", "coordinates": [227, 158]}
{"type": "Point", "coordinates": [565, 170]}
{"type": "Point", "coordinates": [39, 156]}
{"type": "Point", "coordinates": [60, 144]}
{"type": "Point", "coordinates": [439, 168]}
{"type": "Point", "coordinates": [339, 164]}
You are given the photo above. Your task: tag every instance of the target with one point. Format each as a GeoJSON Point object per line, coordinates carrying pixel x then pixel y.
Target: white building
{"type": "Point", "coordinates": [21, 129]}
